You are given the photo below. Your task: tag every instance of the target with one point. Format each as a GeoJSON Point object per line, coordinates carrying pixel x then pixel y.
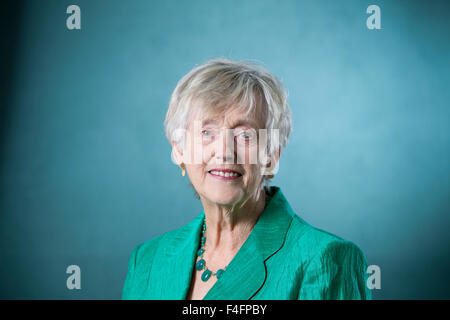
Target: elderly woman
{"type": "Point", "coordinates": [227, 123]}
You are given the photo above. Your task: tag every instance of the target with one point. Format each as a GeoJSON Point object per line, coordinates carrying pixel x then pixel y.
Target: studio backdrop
{"type": "Point", "coordinates": [85, 167]}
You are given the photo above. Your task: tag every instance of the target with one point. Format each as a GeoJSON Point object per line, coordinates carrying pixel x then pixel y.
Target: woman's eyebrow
{"type": "Point", "coordinates": [208, 121]}
{"type": "Point", "coordinates": [244, 123]}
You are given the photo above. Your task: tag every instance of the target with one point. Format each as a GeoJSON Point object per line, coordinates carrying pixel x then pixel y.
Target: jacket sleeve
{"type": "Point", "coordinates": [126, 291]}
{"type": "Point", "coordinates": [338, 272]}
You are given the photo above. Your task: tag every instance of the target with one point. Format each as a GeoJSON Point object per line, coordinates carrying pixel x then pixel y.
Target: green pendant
{"type": "Point", "coordinates": [200, 264]}
{"type": "Point", "coordinates": [205, 275]}
{"type": "Point", "coordinates": [219, 273]}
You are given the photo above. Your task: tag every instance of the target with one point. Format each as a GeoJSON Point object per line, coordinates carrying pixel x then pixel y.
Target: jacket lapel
{"type": "Point", "coordinates": [244, 275]}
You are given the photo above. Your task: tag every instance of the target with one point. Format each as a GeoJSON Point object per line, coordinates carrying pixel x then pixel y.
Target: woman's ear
{"type": "Point", "coordinates": [274, 159]}
{"type": "Point", "coordinates": [177, 154]}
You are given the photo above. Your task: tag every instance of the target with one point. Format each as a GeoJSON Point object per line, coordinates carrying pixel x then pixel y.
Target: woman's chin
{"type": "Point", "coordinates": [225, 195]}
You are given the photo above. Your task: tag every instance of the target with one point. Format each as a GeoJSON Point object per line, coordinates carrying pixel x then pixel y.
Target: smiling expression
{"type": "Point", "coordinates": [219, 156]}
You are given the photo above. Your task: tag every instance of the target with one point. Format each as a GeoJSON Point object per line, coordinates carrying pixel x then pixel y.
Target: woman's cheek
{"type": "Point", "coordinates": [246, 156]}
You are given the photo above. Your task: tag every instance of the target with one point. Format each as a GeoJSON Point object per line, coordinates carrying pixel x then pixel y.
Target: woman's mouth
{"type": "Point", "coordinates": [225, 175]}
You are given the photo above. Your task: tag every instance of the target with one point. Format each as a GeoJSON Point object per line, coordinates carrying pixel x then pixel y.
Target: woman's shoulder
{"type": "Point", "coordinates": [144, 252]}
{"type": "Point", "coordinates": [313, 242]}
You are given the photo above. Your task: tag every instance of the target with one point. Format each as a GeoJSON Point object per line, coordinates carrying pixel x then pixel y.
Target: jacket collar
{"type": "Point", "coordinates": [245, 274]}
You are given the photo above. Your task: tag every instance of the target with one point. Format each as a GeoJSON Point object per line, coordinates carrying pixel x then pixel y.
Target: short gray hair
{"type": "Point", "coordinates": [219, 84]}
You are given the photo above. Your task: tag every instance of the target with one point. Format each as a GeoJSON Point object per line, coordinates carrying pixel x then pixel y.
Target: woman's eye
{"type": "Point", "coordinates": [206, 132]}
{"type": "Point", "coordinates": [246, 135]}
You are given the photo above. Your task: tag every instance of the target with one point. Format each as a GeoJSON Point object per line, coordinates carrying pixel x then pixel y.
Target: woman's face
{"type": "Point", "coordinates": [221, 157]}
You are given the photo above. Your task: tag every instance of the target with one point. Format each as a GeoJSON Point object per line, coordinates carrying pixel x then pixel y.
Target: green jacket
{"type": "Point", "coordinates": [284, 258]}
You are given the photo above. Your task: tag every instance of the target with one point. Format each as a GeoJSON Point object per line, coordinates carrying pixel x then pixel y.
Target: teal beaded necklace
{"type": "Point", "coordinates": [201, 264]}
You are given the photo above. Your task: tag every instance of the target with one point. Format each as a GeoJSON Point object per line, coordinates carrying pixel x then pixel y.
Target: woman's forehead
{"type": "Point", "coordinates": [229, 117]}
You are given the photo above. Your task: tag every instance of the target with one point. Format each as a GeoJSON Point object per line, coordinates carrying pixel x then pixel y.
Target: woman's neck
{"type": "Point", "coordinates": [227, 228]}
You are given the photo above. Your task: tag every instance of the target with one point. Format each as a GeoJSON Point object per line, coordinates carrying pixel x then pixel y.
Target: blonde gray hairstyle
{"type": "Point", "coordinates": [219, 84]}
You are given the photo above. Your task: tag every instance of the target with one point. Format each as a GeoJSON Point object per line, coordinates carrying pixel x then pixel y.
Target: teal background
{"type": "Point", "coordinates": [85, 168]}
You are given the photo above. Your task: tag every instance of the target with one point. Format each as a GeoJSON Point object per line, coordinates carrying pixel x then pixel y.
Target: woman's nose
{"type": "Point", "coordinates": [225, 146]}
